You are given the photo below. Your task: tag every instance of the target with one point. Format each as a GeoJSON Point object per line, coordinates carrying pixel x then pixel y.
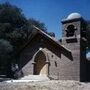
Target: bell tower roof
{"type": "Point", "coordinates": [73, 16]}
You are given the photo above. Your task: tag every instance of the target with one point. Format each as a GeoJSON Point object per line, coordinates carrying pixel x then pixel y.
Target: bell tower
{"type": "Point", "coordinates": [72, 34]}
{"type": "Point", "coordinates": [71, 27]}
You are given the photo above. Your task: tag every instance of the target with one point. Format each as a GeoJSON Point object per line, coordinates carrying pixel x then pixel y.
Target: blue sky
{"type": "Point", "coordinates": [51, 12]}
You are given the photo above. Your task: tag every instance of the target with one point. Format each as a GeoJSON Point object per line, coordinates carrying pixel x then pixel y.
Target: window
{"type": "Point", "coordinates": [70, 30]}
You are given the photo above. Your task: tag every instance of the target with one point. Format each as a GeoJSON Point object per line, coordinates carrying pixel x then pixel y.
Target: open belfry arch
{"type": "Point", "coordinates": [41, 63]}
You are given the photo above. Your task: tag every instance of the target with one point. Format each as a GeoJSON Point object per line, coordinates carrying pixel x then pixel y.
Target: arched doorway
{"type": "Point", "coordinates": [41, 65]}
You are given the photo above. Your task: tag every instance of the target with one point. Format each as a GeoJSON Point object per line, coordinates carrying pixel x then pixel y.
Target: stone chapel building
{"type": "Point", "coordinates": [63, 59]}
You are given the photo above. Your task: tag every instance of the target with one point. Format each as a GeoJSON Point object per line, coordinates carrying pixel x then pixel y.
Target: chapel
{"type": "Point", "coordinates": [63, 59]}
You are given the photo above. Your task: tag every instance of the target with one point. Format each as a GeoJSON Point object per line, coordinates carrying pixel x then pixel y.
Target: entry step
{"type": "Point", "coordinates": [35, 77]}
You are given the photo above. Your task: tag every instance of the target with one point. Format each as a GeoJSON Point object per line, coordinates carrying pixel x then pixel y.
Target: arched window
{"type": "Point", "coordinates": [70, 30]}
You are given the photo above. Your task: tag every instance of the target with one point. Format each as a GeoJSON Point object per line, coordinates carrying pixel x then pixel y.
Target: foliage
{"type": "Point", "coordinates": [15, 29]}
{"type": "Point", "coordinates": [6, 50]}
{"type": "Point", "coordinates": [11, 14]}
{"type": "Point", "coordinates": [38, 24]}
{"type": "Point", "coordinates": [52, 34]}
{"type": "Point", "coordinates": [14, 26]}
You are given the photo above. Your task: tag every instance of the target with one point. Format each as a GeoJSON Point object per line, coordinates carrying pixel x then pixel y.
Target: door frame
{"type": "Point", "coordinates": [46, 60]}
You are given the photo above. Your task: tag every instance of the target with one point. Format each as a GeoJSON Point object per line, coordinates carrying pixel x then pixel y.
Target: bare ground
{"type": "Point", "coordinates": [45, 85]}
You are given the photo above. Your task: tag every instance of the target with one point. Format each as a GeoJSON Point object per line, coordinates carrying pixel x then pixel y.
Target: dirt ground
{"type": "Point", "coordinates": [45, 85]}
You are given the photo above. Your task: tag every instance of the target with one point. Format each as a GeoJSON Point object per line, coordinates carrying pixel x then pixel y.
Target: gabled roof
{"type": "Point", "coordinates": [52, 39]}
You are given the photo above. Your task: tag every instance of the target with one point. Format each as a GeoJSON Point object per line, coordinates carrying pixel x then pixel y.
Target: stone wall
{"type": "Point", "coordinates": [62, 64]}
{"type": "Point", "coordinates": [53, 52]}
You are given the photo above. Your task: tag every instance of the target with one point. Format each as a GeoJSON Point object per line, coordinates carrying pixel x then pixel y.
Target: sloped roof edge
{"type": "Point", "coordinates": [52, 38]}
{"type": "Point", "coordinates": [39, 31]}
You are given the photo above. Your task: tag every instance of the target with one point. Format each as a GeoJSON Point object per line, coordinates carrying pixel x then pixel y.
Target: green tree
{"type": "Point", "coordinates": [11, 14]}
{"type": "Point", "coordinates": [38, 24]}
{"type": "Point", "coordinates": [15, 29]}
{"type": "Point", "coordinates": [14, 26]}
{"type": "Point", "coordinates": [6, 50]}
{"type": "Point", "coordinates": [11, 22]}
